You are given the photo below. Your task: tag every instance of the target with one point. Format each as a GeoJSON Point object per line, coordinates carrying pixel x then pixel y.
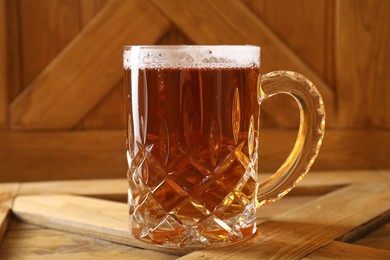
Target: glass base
{"type": "Point", "coordinates": [193, 238]}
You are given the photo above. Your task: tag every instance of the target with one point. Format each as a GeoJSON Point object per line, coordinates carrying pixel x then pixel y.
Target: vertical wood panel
{"type": "Point", "coordinates": [363, 62]}
{"type": "Point", "coordinates": [304, 25]}
{"type": "Point", "coordinates": [80, 76]}
{"type": "Point", "coordinates": [3, 66]}
{"type": "Point", "coordinates": [14, 55]}
{"type": "Point", "coordinates": [47, 26]}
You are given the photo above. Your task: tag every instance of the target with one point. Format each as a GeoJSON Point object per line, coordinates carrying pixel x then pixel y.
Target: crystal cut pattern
{"type": "Point", "coordinates": [188, 196]}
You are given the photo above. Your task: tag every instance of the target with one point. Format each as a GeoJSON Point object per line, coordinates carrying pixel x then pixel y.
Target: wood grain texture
{"type": "Point", "coordinates": [231, 22]}
{"type": "Point", "coordinates": [8, 192]}
{"type": "Point", "coordinates": [112, 189]}
{"type": "Point", "coordinates": [14, 54]}
{"type": "Point", "coordinates": [62, 155]}
{"type": "Point", "coordinates": [101, 219]}
{"type": "Point", "coordinates": [101, 154]}
{"type": "Point", "coordinates": [305, 26]}
{"type": "Point", "coordinates": [3, 66]}
{"type": "Point", "coordinates": [362, 62]}
{"type": "Point", "coordinates": [53, 100]}
{"type": "Point", "coordinates": [4, 219]}
{"type": "Point", "coordinates": [47, 27]}
{"type": "Point", "coordinates": [303, 229]}
{"type": "Point", "coordinates": [24, 241]}
{"type": "Point", "coordinates": [326, 218]}
{"type": "Point", "coordinates": [339, 250]}
{"type": "Point", "coordinates": [109, 112]}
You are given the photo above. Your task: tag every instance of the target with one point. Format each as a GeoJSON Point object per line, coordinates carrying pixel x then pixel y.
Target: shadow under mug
{"type": "Point", "coordinates": [193, 116]}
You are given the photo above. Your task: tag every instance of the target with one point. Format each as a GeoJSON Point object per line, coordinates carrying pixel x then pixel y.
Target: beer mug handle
{"type": "Point", "coordinates": [310, 134]}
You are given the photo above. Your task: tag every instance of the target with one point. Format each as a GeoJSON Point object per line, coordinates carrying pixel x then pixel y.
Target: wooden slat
{"type": "Point", "coordinates": [3, 66]}
{"type": "Point", "coordinates": [101, 154]}
{"type": "Point", "coordinates": [4, 219]}
{"type": "Point", "coordinates": [114, 189]}
{"type": "Point", "coordinates": [7, 195]}
{"type": "Point", "coordinates": [339, 250]}
{"type": "Point", "coordinates": [14, 55]}
{"type": "Point", "coordinates": [231, 22]}
{"type": "Point", "coordinates": [25, 241]}
{"type": "Point", "coordinates": [362, 62]}
{"type": "Point", "coordinates": [109, 113]}
{"type": "Point", "coordinates": [305, 229]}
{"type": "Point", "coordinates": [87, 68]}
{"type": "Point", "coordinates": [101, 219]}
{"type": "Point", "coordinates": [89, 8]}
{"type": "Point", "coordinates": [46, 27]}
{"type": "Point", "coordinates": [305, 26]}
{"type": "Point", "coordinates": [62, 155]}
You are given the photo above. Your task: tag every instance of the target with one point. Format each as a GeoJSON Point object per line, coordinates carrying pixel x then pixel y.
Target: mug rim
{"type": "Point", "coordinates": [191, 56]}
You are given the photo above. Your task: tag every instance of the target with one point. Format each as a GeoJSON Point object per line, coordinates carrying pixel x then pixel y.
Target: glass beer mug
{"type": "Point", "coordinates": [193, 116]}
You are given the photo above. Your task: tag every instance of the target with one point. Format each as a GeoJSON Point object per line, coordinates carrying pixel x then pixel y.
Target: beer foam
{"type": "Point", "coordinates": [191, 56]}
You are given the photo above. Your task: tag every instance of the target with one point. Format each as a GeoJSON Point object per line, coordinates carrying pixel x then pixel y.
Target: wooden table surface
{"type": "Point", "coordinates": [344, 214]}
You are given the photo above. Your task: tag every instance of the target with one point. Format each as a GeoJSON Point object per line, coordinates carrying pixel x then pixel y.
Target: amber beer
{"type": "Point", "coordinates": [191, 160]}
{"type": "Point", "coordinates": [192, 115]}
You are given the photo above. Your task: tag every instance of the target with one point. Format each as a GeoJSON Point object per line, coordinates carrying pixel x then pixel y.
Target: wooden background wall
{"type": "Point", "coordinates": [61, 105]}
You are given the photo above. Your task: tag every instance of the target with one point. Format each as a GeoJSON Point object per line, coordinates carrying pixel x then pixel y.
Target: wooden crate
{"type": "Point", "coordinates": [330, 215]}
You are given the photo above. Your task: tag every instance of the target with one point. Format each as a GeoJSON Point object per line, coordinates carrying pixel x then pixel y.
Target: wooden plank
{"type": "Point", "coordinates": [314, 19]}
{"type": "Point", "coordinates": [3, 66]}
{"type": "Point", "coordinates": [305, 229]}
{"type": "Point", "coordinates": [8, 191]}
{"type": "Point", "coordinates": [7, 194]}
{"type": "Point", "coordinates": [101, 154]}
{"type": "Point", "coordinates": [216, 22]}
{"type": "Point", "coordinates": [89, 9]}
{"type": "Point", "coordinates": [101, 219]}
{"type": "Point", "coordinates": [62, 155]}
{"type": "Point", "coordinates": [4, 219]}
{"type": "Point", "coordinates": [14, 55]}
{"type": "Point", "coordinates": [23, 242]}
{"type": "Point", "coordinates": [113, 189]}
{"type": "Point", "coordinates": [108, 113]}
{"type": "Point", "coordinates": [362, 62]}
{"type": "Point", "coordinates": [46, 27]}
{"type": "Point", "coordinates": [93, 64]}
{"type": "Point", "coordinates": [340, 250]}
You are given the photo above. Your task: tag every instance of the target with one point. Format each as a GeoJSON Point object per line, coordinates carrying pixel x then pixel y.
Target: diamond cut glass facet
{"type": "Point", "coordinates": [192, 156]}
